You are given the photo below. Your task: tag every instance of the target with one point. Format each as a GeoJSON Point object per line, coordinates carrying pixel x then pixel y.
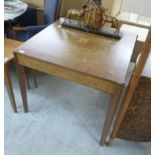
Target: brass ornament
{"type": "Point", "coordinates": [92, 16]}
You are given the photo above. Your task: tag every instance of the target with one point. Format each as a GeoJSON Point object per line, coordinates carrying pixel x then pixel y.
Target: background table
{"type": "Point", "coordinates": [9, 46]}
{"type": "Point", "coordinates": [95, 61]}
{"type": "Point", "coordinates": [12, 15]}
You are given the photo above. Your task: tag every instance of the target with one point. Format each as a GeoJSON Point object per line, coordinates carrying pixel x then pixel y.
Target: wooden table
{"type": "Point", "coordinates": [9, 46]}
{"type": "Point", "coordinates": [95, 61]}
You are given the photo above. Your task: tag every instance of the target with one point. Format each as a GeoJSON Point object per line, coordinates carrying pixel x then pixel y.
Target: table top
{"type": "Point", "coordinates": [11, 14]}
{"type": "Point", "coordinates": [9, 46]}
{"type": "Point", "coordinates": [98, 56]}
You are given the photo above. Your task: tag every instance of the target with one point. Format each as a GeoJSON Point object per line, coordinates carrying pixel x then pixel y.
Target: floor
{"type": "Point", "coordinates": [64, 118]}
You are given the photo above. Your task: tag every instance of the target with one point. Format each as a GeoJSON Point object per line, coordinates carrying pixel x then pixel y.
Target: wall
{"type": "Point", "coordinates": [37, 3]}
{"type": "Point", "coordinates": [141, 7]}
{"type": "Point", "coordinates": [77, 4]}
{"type": "Point", "coordinates": [69, 4]}
{"type": "Point", "coordinates": [117, 4]}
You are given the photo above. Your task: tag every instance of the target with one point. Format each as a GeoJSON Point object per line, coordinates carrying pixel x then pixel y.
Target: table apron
{"type": "Point", "coordinates": [67, 74]}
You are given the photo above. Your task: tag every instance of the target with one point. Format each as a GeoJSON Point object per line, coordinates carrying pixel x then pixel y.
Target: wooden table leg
{"type": "Point", "coordinates": [33, 77]}
{"type": "Point", "coordinates": [27, 78]}
{"type": "Point", "coordinates": [22, 83]}
{"type": "Point", "coordinates": [114, 100]}
{"type": "Point", "coordinates": [9, 87]}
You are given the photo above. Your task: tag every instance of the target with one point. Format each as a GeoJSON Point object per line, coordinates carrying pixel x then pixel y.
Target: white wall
{"type": "Point", "coordinates": [141, 7]}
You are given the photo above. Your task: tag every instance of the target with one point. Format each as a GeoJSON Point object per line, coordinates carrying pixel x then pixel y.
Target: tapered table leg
{"type": "Point", "coordinates": [22, 82]}
{"type": "Point", "coordinates": [27, 78]}
{"type": "Point", "coordinates": [9, 87]}
{"type": "Point", "coordinates": [114, 100]}
{"type": "Point", "coordinates": [34, 78]}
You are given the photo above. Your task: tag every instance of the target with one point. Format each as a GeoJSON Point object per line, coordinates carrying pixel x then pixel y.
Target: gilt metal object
{"type": "Point", "coordinates": [92, 18]}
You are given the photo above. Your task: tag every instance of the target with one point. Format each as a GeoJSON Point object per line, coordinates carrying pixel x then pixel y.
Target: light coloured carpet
{"type": "Point", "coordinates": [64, 118]}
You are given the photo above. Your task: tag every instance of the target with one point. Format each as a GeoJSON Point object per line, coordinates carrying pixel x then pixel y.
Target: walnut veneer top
{"type": "Point", "coordinates": [91, 54]}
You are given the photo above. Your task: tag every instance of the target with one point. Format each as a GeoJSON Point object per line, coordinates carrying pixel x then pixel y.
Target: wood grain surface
{"type": "Point", "coordinates": [94, 55]}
